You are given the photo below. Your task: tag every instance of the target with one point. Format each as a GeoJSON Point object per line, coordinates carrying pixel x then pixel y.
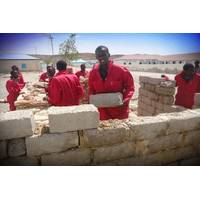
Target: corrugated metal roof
{"type": "Point", "coordinates": [17, 57]}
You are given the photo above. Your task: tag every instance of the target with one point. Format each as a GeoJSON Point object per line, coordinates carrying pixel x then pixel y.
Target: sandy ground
{"type": "Point", "coordinates": [34, 76]}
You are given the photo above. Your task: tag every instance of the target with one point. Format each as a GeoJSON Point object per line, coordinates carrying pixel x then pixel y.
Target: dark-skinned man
{"type": "Point", "coordinates": [188, 83]}
{"type": "Point", "coordinates": [44, 77]}
{"type": "Point", "coordinates": [20, 76]}
{"type": "Point", "coordinates": [83, 72]}
{"type": "Point", "coordinates": [196, 66]}
{"type": "Point", "coordinates": [13, 88]}
{"type": "Point", "coordinates": [64, 89]}
{"type": "Point", "coordinates": [107, 77]}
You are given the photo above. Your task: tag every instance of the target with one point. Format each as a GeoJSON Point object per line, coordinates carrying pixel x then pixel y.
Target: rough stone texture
{"type": "Point", "coordinates": [150, 87]}
{"type": "Point", "coordinates": [191, 162]}
{"type": "Point", "coordinates": [71, 157]}
{"type": "Point", "coordinates": [73, 118]}
{"type": "Point", "coordinates": [123, 150]}
{"type": "Point", "coordinates": [169, 100]}
{"type": "Point", "coordinates": [197, 100]}
{"type": "Point", "coordinates": [192, 137]}
{"type": "Point", "coordinates": [16, 124]}
{"type": "Point", "coordinates": [50, 143]}
{"type": "Point", "coordinates": [165, 143]}
{"type": "Point", "coordinates": [164, 90]}
{"type": "Point", "coordinates": [102, 137]}
{"type": "Point", "coordinates": [182, 121]}
{"type": "Point", "coordinates": [20, 161]}
{"type": "Point", "coordinates": [107, 99]}
{"type": "Point", "coordinates": [3, 149]}
{"type": "Point", "coordinates": [148, 127]}
{"type": "Point", "coordinates": [16, 147]}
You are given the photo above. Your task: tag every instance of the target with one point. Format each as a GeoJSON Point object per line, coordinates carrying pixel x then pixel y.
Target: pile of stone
{"type": "Point", "coordinates": [32, 96]}
{"type": "Point", "coordinates": [197, 101]}
{"type": "Point", "coordinates": [156, 96]}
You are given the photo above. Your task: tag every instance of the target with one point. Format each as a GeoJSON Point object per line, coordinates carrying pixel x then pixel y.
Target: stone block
{"type": "Point", "coordinates": [72, 157]}
{"type": "Point", "coordinates": [197, 99]}
{"type": "Point", "coordinates": [148, 127]}
{"type": "Point", "coordinates": [192, 137]}
{"type": "Point", "coordinates": [50, 143]}
{"type": "Point", "coordinates": [164, 90]}
{"type": "Point", "coordinates": [143, 79]}
{"type": "Point", "coordinates": [149, 87]}
{"type": "Point", "coordinates": [16, 147]}
{"type": "Point", "coordinates": [169, 100]}
{"type": "Point", "coordinates": [73, 118]}
{"type": "Point", "coordinates": [103, 137]}
{"type": "Point", "coordinates": [115, 152]}
{"type": "Point", "coordinates": [106, 100]}
{"type": "Point", "coordinates": [191, 162]}
{"type": "Point", "coordinates": [20, 161]}
{"type": "Point", "coordinates": [16, 124]}
{"type": "Point", "coordinates": [168, 84]}
{"type": "Point", "coordinates": [3, 149]}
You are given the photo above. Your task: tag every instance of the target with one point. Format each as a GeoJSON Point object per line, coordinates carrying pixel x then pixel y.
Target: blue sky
{"type": "Point", "coordinates": [118, 43]}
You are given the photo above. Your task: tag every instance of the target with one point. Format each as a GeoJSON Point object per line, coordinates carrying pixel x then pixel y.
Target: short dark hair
{"type": "Point", "coordinates": [188, 66]}
{"type": "Point", "coordinates": [102, 48]}
{"type": "Point", "coordinates": [14, 67]}
{"type": "Point", "coordinates": [12, 73]}
{"type": "Point", "coordinates": [61, 65]}
{"type": "Point", "coordinates": [196, 62]}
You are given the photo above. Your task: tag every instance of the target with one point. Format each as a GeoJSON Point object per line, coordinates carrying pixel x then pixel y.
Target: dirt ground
{"type": "Point", "coordinates": [34, 76]}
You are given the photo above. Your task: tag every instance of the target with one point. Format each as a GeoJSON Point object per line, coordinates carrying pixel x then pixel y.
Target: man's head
{"type": "Point", "coordinates": [162, 76]}
{"type": "Point", "coordinates": [14, 74]}
{"type": "Point", "coordinates": [61, 65]}
{"type": "Point", "coordinates": [196, 63]}
{"type": "Point", "coordinates": [14, 67]}
{"type": "Point", "coordinates": [83, 67]}
{"type": "Point", "coordinates": [188, 70]}
{"type": "Point", "coordinates": [102, 55]}
{"type": "Point", "coordinates": [51, 71]}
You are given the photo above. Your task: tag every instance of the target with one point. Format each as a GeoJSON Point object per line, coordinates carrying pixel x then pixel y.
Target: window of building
{"type": "Point", "coordinates": [180, 62]}
{"type": "Point", "coordinates": [23, 66]}
{"type": "Point", "coordinates": [140, 63]}
{"type": "Point", "coordinates": [129, 63]}
{"type": "Point", "coordinates": [174, 62]}
{"type": "Point", "coordinates": [124, 63]}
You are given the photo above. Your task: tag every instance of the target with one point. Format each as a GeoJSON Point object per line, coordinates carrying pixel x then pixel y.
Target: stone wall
{"type": "Point", "coordinates": [76, 137]}
{"type": "Point", "coordinates": [156, 96]}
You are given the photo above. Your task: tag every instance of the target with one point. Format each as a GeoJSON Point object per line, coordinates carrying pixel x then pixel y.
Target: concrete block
{"type": "Point", "coordinates": [50, 143]}
{"type": "Point", "coordinates": [165, 142]}
{"type": "Point", "coordinates": [73, 118]}
{"type": "Point", "coordinates": [169, 100]}
{"type": "Point", "coordinates": [168, 84]}
{"type": "Point", "coordinates": [20, 161]}
{"type": "Point", "coordinates": [155, 81]}
{"type": "Point", "coordinates": [197, 99]}
{"type": "Point", "coordinates": [106, 100]}
{"type": "Point", "coordinates": [103, 137]}
{"type": "Point", "coordinates": [191, 137]}
{"type": "Point", "coordinates": [182, 121]}
{"type": "Point", "coordinates": [164, 90]}
{"type": "Point", "coordinates": [16, 124]}
{"type": "Point", "coordinates": [115, 152]}
{"type": "Point", "coordinates": [71, 157]}
{"type": "Point", "coordinates": [16, 147]}
{"type": "Point", "coordinates": [3, 149]}
{"type": "Point", "coordinates": [173, 108]}
{"type": "Point", "coordinates": [150, 87]}
{"type": "Point", "coordinates": [148, 127]}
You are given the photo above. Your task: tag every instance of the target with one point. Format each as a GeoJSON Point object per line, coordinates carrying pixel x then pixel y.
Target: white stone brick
{"type": "Point", "coordinates": [197, 99]}
{"type": "Point", "coordinates": [143, 79]}
{"type": "Point", "coordinates": [149, 87]}
{"type": "Point", "coordinates": [115, 152]}
{"type": "Point", "coordinates": [16, 124]}
{"type": "Point", "coordinates": [20, 161]}
{"type": "Point", "coordinates": [3, 149]}
{"type": "Point", "coordinates": [72, 157]}
{"type": "Point", "coordinates": [192, 137]}
{"type": "Point", "coordinates": [106, 99]}
{"type": "Point", "coordinates": [102, 137]}
{"type": "Point", "coordinates": [50, 143]}
{"type": "Point", "coordinates": [168, 84]}
{"type": "Point", "coordinates": [73, 118]}
{"type": "Point", "coordinates": [164, 90]}
{"type": "Point", "coordinates": [16, 147]}
{"type": "Point", "coordinates": [148, 127]}
{"type": "Point", "coordinates": [166, 100]}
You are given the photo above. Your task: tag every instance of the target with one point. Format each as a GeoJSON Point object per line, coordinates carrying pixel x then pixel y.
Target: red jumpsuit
{"type": "Point", "coordinates": [186, 90]}
{"type": "Point", "coordinates": [13, 89]}
{"type": "Point", "coordinates": [21, 80]}
{"type": "Point", "coordinates": [81, 73]}
{"type": "Point", "coordinates": [118, 79]}
{"type": "Point", "coordinates": [44, 77]}
{"type": "Point", "coordinates": [64, 89]}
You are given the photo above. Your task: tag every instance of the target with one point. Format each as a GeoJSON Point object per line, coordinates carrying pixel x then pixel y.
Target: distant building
{"type": "Point", "coordinates": [24, 62]}
{"type": "Point", "coordinates": [145, 59]}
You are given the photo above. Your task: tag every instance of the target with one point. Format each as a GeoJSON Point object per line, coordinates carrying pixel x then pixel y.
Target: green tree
{"type": "Point", "coordinates": [68, 49]}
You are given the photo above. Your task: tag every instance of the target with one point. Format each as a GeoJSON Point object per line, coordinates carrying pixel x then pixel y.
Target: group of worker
{"type": "Point", "coordinates": [65, 89]}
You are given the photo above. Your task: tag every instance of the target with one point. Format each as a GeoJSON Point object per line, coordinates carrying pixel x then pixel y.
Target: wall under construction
{"type": "Point", "coordinates": [75, 136]}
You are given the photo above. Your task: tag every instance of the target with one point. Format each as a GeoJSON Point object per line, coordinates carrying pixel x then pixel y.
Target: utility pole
{"type": "Point", "coordinates": [51, 38]}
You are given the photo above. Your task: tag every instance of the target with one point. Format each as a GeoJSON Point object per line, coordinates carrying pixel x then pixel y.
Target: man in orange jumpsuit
{"type": "Point", "coordinates": [44, 77]}
{"type": "Point", "coordinates": [20, 76]}
{"type": "Point", "coordinates": [83, 72]}
{"type": "Point", "coordinates": [107, 77]}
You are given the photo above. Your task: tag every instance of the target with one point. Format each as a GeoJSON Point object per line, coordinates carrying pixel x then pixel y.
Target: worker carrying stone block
{"type": "Point", "coordinates": [107, 77]}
